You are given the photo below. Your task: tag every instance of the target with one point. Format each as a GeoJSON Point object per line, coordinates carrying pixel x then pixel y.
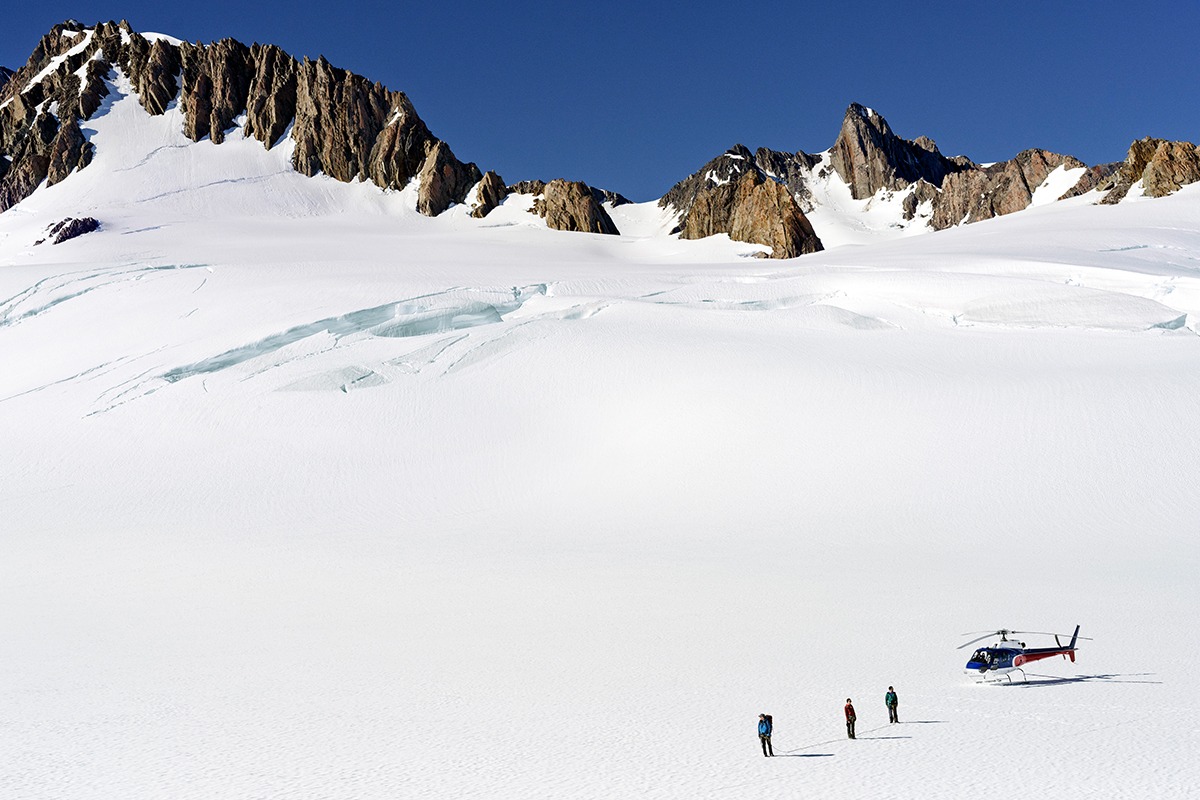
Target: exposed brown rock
{"type": "Point", "coordinates": [154, 72]}
{"type": "Point", "coordinates": [216, 84]}
{"type": "Point", "coordinates": [402, 147]}
{"type": "Point", "coordinates": [740, 193]}
{"type": "Point", "coordinates": [444, 180]}
{"type": "Point", "coordinates": [790, 169]}
{"type": "Point", "coordinates": [1002, 188]}
{"type": "Point", "coordinates": [490, 193]}
{"type": "Point", "coordinates": [93, 89]}
{"type": "Point", "coordinates": [1173, 165]}
{"type": "Point", "coordinates": [30, 148]}
{"type": "Point", "coordinates": [1162, 166]}
{"type": "Point", "coordinates": [869, 156]}
{"type": "Point", "coordinates": [271, 102]}
{"type": "Point", "coordinates": [922, 191]}
{"type": "Point", "coordinates": [68, 152]}
{"type": "Point", "coordinates": [752, 209]}
{"type": "Point", "coordinates": [571, 206]}
{"type": "Point", "coordinates": [528, 187]}
{"type": "Point", "coordinates": [69, 228]}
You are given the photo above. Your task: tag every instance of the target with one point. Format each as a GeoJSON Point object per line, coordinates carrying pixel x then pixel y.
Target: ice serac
{"type": "Point", "coordinates": [1162, 166]}
{"type": "Point", "coordinates": [572, 206]}
{"type": "Point", "coordinates": [979, 193]}
{"type": "Point", "coordinates": [868, 156]}
{"type": "Point", "coordinates": [734, 195]}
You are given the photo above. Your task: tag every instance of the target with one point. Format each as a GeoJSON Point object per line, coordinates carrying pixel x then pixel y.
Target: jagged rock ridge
{"type": "Point", "coordinates": [349, 128]}
{"type": "Point", "coordinates": [344, 125]}
{"type": "Point", "coordinates": [872, 161]}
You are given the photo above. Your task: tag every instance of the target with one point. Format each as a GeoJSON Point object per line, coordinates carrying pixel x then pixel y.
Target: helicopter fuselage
{"type": "Point", "coordinates": [1004, 658]}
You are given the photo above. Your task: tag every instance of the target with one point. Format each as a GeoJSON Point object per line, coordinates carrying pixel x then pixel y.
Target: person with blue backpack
{"type": "Point", "coordinates": [764, 733]}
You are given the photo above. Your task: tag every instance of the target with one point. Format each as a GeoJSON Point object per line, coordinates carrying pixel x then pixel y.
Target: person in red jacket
{"type": "Point", "coordinates": [850, 717]}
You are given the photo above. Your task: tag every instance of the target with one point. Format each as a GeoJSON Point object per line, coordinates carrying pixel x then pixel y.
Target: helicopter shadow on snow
{"type": "Point", "coordinates": [1057, 680]}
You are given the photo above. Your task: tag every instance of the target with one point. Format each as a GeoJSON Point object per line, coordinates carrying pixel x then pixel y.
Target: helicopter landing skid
{"type": "Point", "coordinates": [1007, 676]}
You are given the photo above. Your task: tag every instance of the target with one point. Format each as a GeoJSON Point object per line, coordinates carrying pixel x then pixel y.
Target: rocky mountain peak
{"type": "Point", "coordinates": [869, 156]}
{"type": "Point", "coordinates": [344, 125]}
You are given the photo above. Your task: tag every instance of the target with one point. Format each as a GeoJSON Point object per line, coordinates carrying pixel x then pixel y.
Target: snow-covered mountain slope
{"type": "Point", "coordinates": [310, 495]}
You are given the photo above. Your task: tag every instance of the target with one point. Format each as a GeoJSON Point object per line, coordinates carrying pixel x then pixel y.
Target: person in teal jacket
{"type": "Point", "coordinates": [892, 702]}
{"type": "Point", "coordinates": [764, 733]}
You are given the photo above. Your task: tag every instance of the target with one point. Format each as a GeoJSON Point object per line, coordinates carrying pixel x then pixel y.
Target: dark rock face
{"type": "Point", "coordinates": [986, 192]}
{"type": "Point", "coordinates": [737, 193]}
{"type": "Point", "coordinates": [790, 169]}
{"type": "Point", "coordinates": [528, 187]}
{"type": "Point", "coordinates": [607, 196]}
{"type": "Point", "coordinates": [216, 85]}
{"type": "Point", "coordinates": [444, 180]}
{"type": "Point", "coordinates": [572, 206]}
{"type": "Point", "coordinates": [69, 151]}
{"type": "Point", "coordinates": [922, 191]}
{"type": "Point", "coordinates": [5, 74]}
{"type": "Point", "coordinates": [491, 193]}
{"type": "Point", "coordinates": [753, 209]}
{"type": "Point", "coordinates": [869, 156]}
{"type": "Point", "coordinates": [271, 102]}
{"type": "Point", "coordinates": [338, 117]}
{"type": "Point", "coordinates": [153, 71]}
{"type": "Point", "coordinates": [69, 228]}
{"type": "Point", "coordinates": [343, 125]}
{"type": "Point", "coordinates": [1162, 166]}
{"type": "Point", "coordinates": [402, 147]}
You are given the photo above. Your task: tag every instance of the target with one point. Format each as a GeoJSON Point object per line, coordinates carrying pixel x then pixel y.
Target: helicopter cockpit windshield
{"type": "Point", "coordinates": [982, 656]}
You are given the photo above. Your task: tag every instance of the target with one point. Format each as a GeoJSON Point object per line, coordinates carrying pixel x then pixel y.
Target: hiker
{"type": "Point", "coordinates": [892, 702]}
{"type": "Point", "coordinates": [850, 717]}
{"type": "Point", "coordinates": [764, 733]}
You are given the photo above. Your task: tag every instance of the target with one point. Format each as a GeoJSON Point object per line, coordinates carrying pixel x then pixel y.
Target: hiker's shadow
{"type": "Point", "coordinates": [804, 755]}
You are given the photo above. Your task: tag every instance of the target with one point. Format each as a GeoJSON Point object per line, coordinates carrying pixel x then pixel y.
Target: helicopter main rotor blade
{"type": "Point", "coordinates": [1044, 633]}
{"type": "Point", "coordinates": [973, 641]}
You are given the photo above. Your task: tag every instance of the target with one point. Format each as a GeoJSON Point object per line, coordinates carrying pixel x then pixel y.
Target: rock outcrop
{"type": "Point", "coordinates": [444, 180]}
{"type": "Point", "coordinates": [69, 228]}
{"type": "Point", "coordinates": [490, 192]}
{"type": "Point", "coordinates": [733, 194]}
{"type": "Point", "coordinates": [572, 206]}
{"type": "Point", "coordinates": [752, 209]}
{"type": "Point", "coordinates": [1162, 166]}
{"type": "Point", "coordinates": [869, 156]}
{"type": "Point", "coordinates": [5, 74]}
{"type": "Point", "coordinates": [982, 193]}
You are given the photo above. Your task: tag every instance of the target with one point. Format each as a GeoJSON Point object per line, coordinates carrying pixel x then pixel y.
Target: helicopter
{"type": "Point", "coordinates": [1006, 656]}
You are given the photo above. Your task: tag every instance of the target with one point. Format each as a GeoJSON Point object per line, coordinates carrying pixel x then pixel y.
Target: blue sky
{"type": "Point", "coordinates": [633, 96]}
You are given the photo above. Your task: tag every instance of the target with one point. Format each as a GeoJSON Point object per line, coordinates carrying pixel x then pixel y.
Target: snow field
{"type": "Point", "coordinates": [301, 501]}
